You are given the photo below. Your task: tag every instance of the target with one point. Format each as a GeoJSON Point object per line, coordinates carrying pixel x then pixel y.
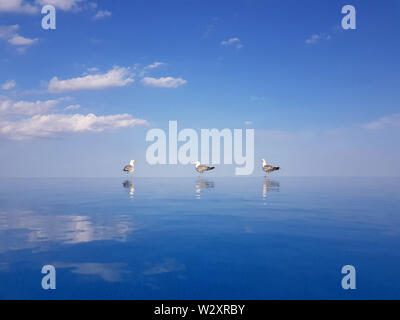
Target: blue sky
{"type": "Point", "coordinates": [322, 100]}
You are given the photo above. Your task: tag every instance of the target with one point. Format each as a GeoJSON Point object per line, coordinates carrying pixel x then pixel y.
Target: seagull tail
{"type": "Point", "coordinates": [277, 168]}
{"type": "Point", "coordinates": [212, 168]}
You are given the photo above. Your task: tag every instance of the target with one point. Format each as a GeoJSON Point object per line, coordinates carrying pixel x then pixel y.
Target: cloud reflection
{"type": "Point", "coordinates": [168, 265]}
{"type": "Point", "coordinates": [110, 272]}
{"type": "Point", "coordinates": [32, 229]}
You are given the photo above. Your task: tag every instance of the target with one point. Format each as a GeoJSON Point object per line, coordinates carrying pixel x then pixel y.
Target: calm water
{"type": "Point", "coordinates": [223, 238]}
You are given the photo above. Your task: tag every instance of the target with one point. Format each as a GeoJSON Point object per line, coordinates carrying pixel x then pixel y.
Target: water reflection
{"type": "Point", "coordinates": [203, 184]}
{"type": "Point", "coordinates": [167, 266]}
{"type": "Point", "coordinates": [110, 272]}
{"type": "Point", "coordinates": [165, 242]}
{"type": "Point", "coordinates": [33, 230]}
{"type": "Point", "coordinates": [128, 184]}
{"type": "Point", "coordinates": [268, 186]}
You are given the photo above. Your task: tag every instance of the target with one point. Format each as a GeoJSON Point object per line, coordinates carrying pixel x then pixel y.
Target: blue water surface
{"type": "Point", "coordinates": [192, 238]}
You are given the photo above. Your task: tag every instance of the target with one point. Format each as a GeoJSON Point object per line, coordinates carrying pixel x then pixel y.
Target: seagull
{"type": "Point", "coordinates": [130, 167]}
{"type": "Point", "coordinates": [268, 168]}
{"type": "Point", "coordinates": [200, 168]}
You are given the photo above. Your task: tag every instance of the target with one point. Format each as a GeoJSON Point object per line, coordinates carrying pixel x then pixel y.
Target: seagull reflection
{"type": "Point", "coordinates": [203, 184]}
{"type": "Point", "coordinates": [128, 184]}
{"type": "Point", "coordinates": [269, 185]}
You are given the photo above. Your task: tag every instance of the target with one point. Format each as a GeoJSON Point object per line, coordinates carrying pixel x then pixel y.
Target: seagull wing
{"type": "Point", "coordinates": [268, 168]}
{"type": "Point", "coordinates": [128, 168]}
{"type": "Point", "coordinates": [204, 168]}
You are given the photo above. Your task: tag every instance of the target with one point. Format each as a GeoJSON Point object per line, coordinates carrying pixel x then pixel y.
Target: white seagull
{"type": "Point", "coordinates": [268, 168]}
{"type": "Point", "coordinates": [200, 168]}
{"type": "Point", "coordinates": [130, 167]}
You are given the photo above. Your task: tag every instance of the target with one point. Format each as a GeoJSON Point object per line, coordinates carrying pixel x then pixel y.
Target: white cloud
{"type": "Point", "coordinates": [22, 6]}
{"type": "Point", "coordinates": [143, 70]}
{"type": "Point", "coordinates": [248, 123]}
{"type": "Point", "coordinates": [166, 82]}
{"type": "Point", "coordinates": [17, 6]}
{"type": "Point", "coordinates": [10, 34]}
{"type": "Point", "coordinates": [317, 37]}
{"type": "Point", "coordinates": [154, 65]}
{"type": "Point", "coordinates": [9, 85]}
{"type": "Point", "coordinates": [93, 69]}
{"type": "Point", "coordinates": [73, 107]}
{"type": "Point", "coordinates": [313, 39]}
{"type": "Point", "coordinates": [65, 5]}
{"type": "Point", "coordinates": [383, 123]}
{"type": "Point", "coordinates": [92, 5]}
{"type": "Point", "coordinates": [116, 77]}
{"type": "Point", "coordinates": [7, 32]}
{"type": "Point", "coordinates": [102, 14]}
{"type": "Point", "coordinates": [232, 42]}
{"type": "Point", "coordinates": [52, 125]}
{"type": "Point", "coordinates": [26, 108]}
{"type": "Point", "coordinates": [21, 41]}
